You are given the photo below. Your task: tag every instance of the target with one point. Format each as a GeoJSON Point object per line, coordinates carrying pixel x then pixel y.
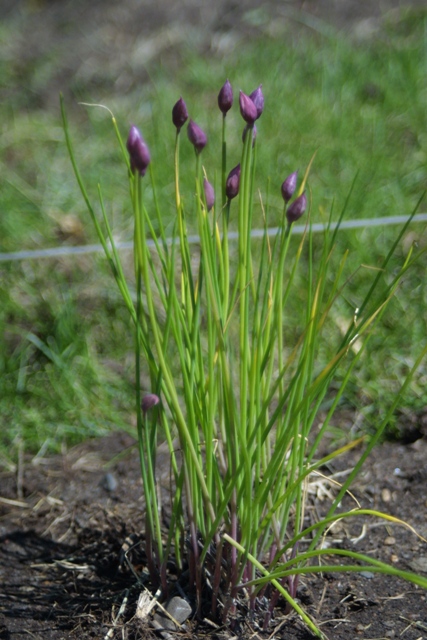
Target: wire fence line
{"type": "Point", "coordinates": [55, 252]}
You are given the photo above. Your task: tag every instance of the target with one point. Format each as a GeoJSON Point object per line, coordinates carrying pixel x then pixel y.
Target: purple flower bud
{"type": "Point", "coordinates": [179, 114]}
{"type": "Point", "coordinates": [257, 98]}
{"type": "Point", "coordinates": [139, 154]}
{"type": "Point", "coordinates": [196, 136]}
{"type": "Point", "coordinates": [233, 183]}
{"type": "Point", "coordinates": [254, 132]}
{"type": "Point", "coordinates": [225, 97]}
{"type": "Point", "coordinates": [209, 194]}
{"type": "Point", "coordinates": [247, 108]}
{"type": "Point", "coordinates": [289, 186]}
{"type": "Point", "coordinates": [149, 401]}
{"type": "Point", "coordinates": [296, 209]}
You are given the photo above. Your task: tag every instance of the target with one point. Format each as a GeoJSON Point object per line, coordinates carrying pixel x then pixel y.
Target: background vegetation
{"type": "Point", "coordinates": [66, 363]}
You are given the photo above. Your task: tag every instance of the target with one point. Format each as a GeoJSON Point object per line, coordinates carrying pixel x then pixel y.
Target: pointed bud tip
{"type": "Point", "coordinates": [257, 98]}
{"type": "Point", "coordinates": [232, 184]}
{"type": "Point", "coordinates": [139, 153]}
{"type": "Point", "coordinates": [289, 185]}
{"type": "Point", "coordinates": [209, 194]}
{"type": "Point", "coordinates": [149, 401]}
{"type": "Point", "coordinates": [196, 136]}
{"type": "Point", "coordinates": [225, 97]}
{"type": "Point", "coordinates": [179, 114]}
{"type": "Point", "coordinates": [248, 109]}
{"type": "Point", "coordinates": [297, 208]}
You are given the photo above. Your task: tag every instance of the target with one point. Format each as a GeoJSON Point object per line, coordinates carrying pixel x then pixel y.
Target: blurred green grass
{"type": "Point", "coordinates": [66, 364]}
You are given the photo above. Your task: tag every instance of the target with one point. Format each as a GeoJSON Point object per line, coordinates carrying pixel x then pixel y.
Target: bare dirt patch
{"type": "Point", "coordinates": [63, 522]}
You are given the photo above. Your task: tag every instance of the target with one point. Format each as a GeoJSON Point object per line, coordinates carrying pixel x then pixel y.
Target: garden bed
{"type": "Point", "coordinates": [64, 519]}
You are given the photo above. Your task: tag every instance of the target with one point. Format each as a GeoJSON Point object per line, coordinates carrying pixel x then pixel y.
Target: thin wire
{"type": "Point", "coordinates": [55, 252]}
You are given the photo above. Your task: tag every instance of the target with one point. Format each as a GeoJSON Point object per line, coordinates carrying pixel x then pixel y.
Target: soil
{"type": "Point", "coordinates": [63, 522]}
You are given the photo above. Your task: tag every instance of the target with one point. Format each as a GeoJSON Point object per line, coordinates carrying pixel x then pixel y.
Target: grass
{"type": "Point", "coordinates": [66, 344]}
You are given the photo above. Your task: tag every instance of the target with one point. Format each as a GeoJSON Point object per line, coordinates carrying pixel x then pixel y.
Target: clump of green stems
{"type": "Point", "coordinates": [241, 399]}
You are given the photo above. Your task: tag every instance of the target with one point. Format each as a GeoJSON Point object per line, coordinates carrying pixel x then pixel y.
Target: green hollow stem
{"type": "Point", "coordinates": [168, 384]}
{"type": "Point", "coordinates": [285, 236]}
{"type": "Point", "coordinates": [147, 461]}
{"type": "Point", "coordinates": [376, 566]}
{"type": "Point", "coordinates": [187, 292]}
{"type": "Point", "coordinates": [226, 259]}
{"type": "Point", "coordinates": [223, 161]}
{"type": "Point", "coordinates": [373, 441]}
{"type": "Point", "coordinates": [276, 584]}
{"type": "Point", "coordinates": [245, 479]}
{"type": "Point", "coordinates": [243, 277]}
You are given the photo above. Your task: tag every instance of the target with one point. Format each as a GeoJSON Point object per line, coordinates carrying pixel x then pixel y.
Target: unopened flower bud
{"type": "Point", "coordinates": [289, 186]}
{"type": "Point", "coordinates": [209, 194]}
{"type": "Point", "coordinates": [257, 98]}
{"type": "Point", "coordinates": [179, 114]}
{"type": "Point", "coordinates": [233, 183]}
{"type": "Point", "coordinates": [225, 97]}
{"type": "Point", "coordinates": [139, 154]}
{"type": "Point", "coordinates": [296, 209]}
{"type": "Point", "coordinates": [247, 108]}
{"type": "Point", "coordinates": [149, 401]}
{"type": "Point", "coordinates": [249, 128]}
{"type": "Point", "coordinates": [196, 136]}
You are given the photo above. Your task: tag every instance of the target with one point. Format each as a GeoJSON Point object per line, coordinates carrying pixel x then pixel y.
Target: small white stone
{"type": "Point", "coordinates": [386, 495]}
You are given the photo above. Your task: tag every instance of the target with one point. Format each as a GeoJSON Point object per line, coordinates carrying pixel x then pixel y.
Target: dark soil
{"type": "Point", "coordinates": [63, 521]}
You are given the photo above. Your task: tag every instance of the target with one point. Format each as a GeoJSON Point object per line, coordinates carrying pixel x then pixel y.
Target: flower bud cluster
{"type": "Point", "coordinates": [196, 135]}
{"type": "Point", "coordinates": [251, 108]}
{"type": "Point", "coordinates": [299, 205]}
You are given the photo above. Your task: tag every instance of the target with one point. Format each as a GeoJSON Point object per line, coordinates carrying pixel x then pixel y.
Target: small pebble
{"type": "Point", "coordinates": [367, 574]}
{"type": "Point", "coordinates": [178, 608]}
{"type": "Point", "coordinates": [419, 564]}
{"type": "Point", "coordinates": [394, 558]}
{"type": "Point", "coordinates": [390, 540]}
{"type": "Point", "coordinates": [109, 482]}
{"type": "Point", "coordinates": [386, 495]}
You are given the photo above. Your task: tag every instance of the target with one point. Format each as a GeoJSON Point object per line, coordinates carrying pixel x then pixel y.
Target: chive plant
{"type": "Point", "coordinates": [247, 392]}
